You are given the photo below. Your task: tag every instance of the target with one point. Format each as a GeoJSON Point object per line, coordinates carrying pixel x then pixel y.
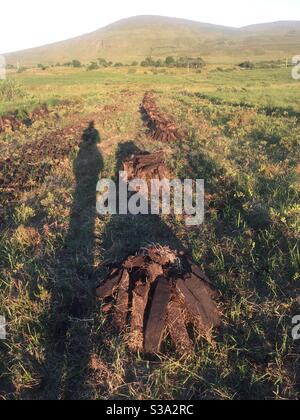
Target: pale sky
{"type": "Point", "coordinates": [30, 23]}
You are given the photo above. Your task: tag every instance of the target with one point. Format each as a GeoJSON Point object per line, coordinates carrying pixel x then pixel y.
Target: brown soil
{"type": "Point", "coordinates": [32, 162]}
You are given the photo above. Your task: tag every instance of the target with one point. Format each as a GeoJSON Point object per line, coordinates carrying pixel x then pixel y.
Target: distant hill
{"type": "Point", "coordinates": [137, 37]}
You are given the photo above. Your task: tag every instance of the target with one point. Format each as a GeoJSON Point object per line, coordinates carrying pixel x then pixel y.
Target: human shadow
{"type": "Point", "coordinates": [72, 292]}
{"type": "Point", "coordinates": [90, 134]}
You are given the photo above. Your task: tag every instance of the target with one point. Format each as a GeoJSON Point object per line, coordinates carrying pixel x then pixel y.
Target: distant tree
{"type": "Point", "coordinates": [148, 62]}
{"type": "Point", "coordinates": [159, 63]}
{"type": "Point", "coordinates": [119, 64]}
{"type": "Point", "coordinates": [93, 66]}
{"type": "Point", "coordinates": [9, 67]}
{"type": "Point", "coordinates": [170, 61]}
{"type": "Point", "coordinates": [76, 64]}
{"type": "Point", "coordinates": [134, 64]}
{"type": "Point", "coordinates": [190, 62]}
{"type": "Point", "coordinates": [41, 66]}
{"type": "Point", "coordinates": [102, 62]}
{"type": "Point", "coordinates": [199, 63]}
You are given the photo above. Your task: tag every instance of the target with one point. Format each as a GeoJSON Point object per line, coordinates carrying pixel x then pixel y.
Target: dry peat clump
{"type": "Point", "coordinates": [157, 293]}
{"type": "Point", "coordinates": [161, 126]}
{"type": "Point", "coordinates": [146, 166]}
{"type": "Point", "coordinates": [149, 167]}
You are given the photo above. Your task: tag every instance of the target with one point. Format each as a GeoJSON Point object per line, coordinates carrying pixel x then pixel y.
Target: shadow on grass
{"type": "Point", "coordinates": [72, 292]}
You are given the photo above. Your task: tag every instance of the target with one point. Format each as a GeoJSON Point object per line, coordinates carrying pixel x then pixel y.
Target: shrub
{"type": "Point", "coordinates": [10, 90]}
{"type": "Point", "coordinates": [193, 63]}
{"type": "Point", "coordinates": [148, 62]}
{"type": "Point", "coordinates": [93, 66]}
{"type": "Point", "coordinates": [76, 64]}
{"type": "Point", "coordinates": [170, 61]}
{"type": "Point", "coordinates": [102, 62]}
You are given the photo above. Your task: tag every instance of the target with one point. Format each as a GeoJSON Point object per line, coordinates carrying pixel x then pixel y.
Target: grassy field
{"type": "Point", "coordinates": [243, 138]}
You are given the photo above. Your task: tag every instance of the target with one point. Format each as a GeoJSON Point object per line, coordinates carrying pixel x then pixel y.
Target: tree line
{"type": "Point", "coordinates": [170, 61]}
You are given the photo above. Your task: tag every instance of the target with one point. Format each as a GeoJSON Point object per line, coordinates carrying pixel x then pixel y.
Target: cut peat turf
{"type": "Point", "coordinates": [161, 126]}
{"type": "Point", "coordinates": [146, 166]}
{"type": "Point", "coordinates": [160, 292]}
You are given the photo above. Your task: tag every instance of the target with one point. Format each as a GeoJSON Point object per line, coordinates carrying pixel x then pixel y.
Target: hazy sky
{"type": "Point", "coordinates": [29, 23]}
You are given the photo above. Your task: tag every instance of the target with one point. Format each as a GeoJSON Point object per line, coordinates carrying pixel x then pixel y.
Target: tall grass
{"type": "Point", "coordinates": [11, 90]}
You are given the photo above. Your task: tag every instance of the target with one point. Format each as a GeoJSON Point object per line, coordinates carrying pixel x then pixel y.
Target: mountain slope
{"type": "Point", "coordinates": [134, 38]}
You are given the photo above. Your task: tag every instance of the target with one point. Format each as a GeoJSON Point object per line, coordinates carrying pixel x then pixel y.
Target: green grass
{"type": "Point", "coordinates": [52, 245]}
{"type": "Point", "coordinates": [260, 88]}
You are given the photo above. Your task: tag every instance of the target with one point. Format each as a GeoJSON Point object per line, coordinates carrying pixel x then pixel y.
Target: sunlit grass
{"type": "Point", "coordinates": [59, 344]}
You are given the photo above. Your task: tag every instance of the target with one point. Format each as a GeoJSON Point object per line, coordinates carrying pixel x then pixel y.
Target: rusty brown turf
{"type": "Point", "coordinates": [161, 127]}
{"type": "Point", "coordinates": [157, 293]}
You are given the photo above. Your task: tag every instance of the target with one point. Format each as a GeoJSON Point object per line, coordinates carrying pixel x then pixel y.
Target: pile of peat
{"type": "Point", "coordinates": [146, 166]}
{"type": "Point", "coordinates": [161, 126]}
{"type": "Point", "coordinates": [157, 293]}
